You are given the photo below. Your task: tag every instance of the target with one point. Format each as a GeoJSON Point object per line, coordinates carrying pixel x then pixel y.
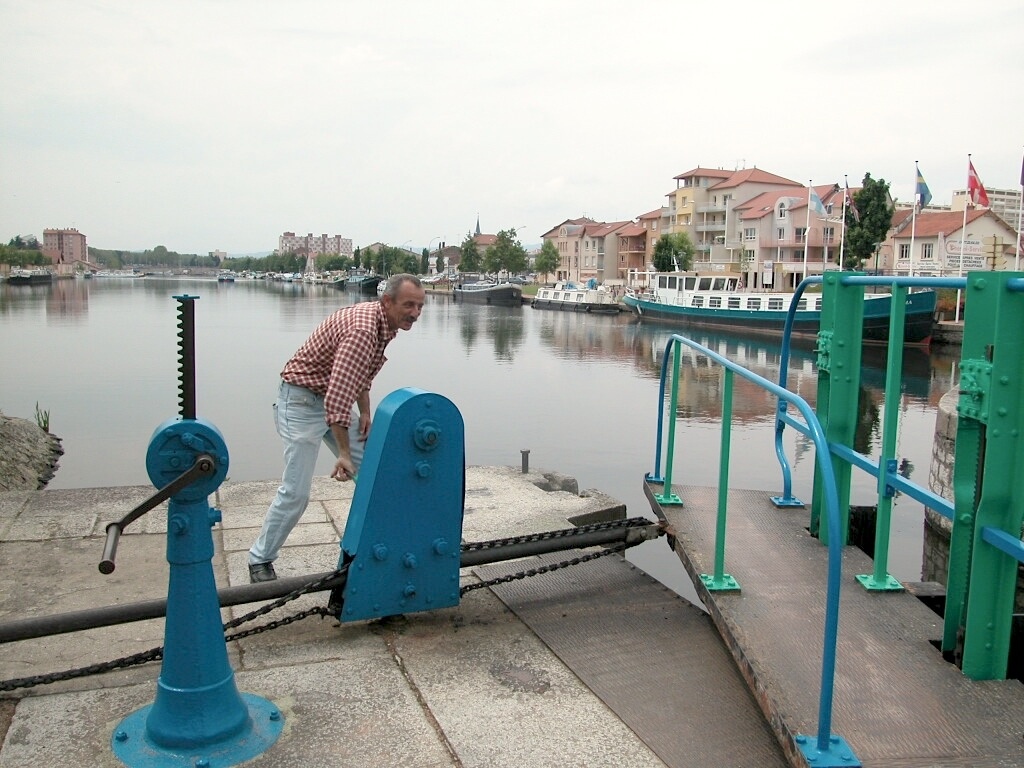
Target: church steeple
{"type": "Point", "coordinates": [478, 223]}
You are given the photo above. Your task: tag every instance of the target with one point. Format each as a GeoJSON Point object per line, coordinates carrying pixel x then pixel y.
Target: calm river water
{"type": "Point", "coordinates": [580, 392]}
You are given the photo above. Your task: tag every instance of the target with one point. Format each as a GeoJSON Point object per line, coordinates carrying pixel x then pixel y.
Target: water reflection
{"type": "Point", "coordinates": [579, 390]}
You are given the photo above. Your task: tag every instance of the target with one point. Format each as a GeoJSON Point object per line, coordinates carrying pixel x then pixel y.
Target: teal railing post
{"type": "Point", "coordinates": [879, 579]}
{"type": "Point", "coordinates": [988, 494]}
{"type": "Point", "coordinates": [720, 581]}
{"type": "Point", "coordinates": [667, 497]}
{"type": "Point", "coordinates": [840, 336]}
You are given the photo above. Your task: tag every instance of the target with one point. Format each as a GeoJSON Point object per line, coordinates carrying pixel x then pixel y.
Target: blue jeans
{"type": "Point", "coordinates": [302, 425]}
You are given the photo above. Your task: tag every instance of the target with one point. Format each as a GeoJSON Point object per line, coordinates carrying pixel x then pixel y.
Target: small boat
{"type": "Point", "coordinates": [486, 292]}
{"type": "Point", "coordinates": [338, 282]}
{"type": "Point", "coordinates": [365, 285]}
{"type": "Point", "coordinates": [123, 274]}
{"type": "Point", "coordinates": [575, 298]}
{"type": "Point", "coordinates": [226, 276]}
{"type": "Point", "coordinates": [30, 277]}
{"type": "Point", "coordinates": [716, 301]}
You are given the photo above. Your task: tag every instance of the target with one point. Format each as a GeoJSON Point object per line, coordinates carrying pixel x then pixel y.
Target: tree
{"type": "Point", "coordinates": [875, 212]}
{"type": "Point", "coordinates": [333, 262]}
{"type": "Point", "coordinates": [506, 254]}
{"type": "Point", "coordinates": [470, 255]}
{"type": "Point", "coordinates": [424, 262]}
{"type": "Point", "coordinates": [439, 264]}
{"type": "Point", "coordinates": [547, 260]}
{"type": "Point", "coordinates": [357, 258]}
{"type": "Point", "coordinates": [26, 243]}
{"type": "Point", "coordinates": [673, 252]}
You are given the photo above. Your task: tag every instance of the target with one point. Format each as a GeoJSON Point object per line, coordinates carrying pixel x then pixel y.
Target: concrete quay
{"type": "Point", "coordinates": [601, 666]}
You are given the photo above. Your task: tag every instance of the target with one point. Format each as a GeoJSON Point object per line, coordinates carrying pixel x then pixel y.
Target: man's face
{"type": "Point", "coordinates": [403, 310]}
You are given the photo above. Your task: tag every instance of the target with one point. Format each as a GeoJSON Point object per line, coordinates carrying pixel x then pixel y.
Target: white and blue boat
{"type": "Point", "coordinates": [717, 301]}
{"type": "Point", "coordinates": [576, 298]}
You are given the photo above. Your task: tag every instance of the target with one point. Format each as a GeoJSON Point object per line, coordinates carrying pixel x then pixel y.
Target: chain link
{"type": "Point", "coordinates": [155, 654]}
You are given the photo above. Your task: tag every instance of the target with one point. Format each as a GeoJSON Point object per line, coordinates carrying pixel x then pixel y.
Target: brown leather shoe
{"type": "Point", "coordinates": [261, 572]}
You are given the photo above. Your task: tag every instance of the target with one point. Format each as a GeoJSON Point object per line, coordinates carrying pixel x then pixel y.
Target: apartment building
{"type": "Point", "coordinates": [703, 206]}
{"type": "Point", "coordinates": [65, 246]}
{"type": "Point", "coordinates": [314, 245]}
{"type": "Point", "coordinates": [775, 232]}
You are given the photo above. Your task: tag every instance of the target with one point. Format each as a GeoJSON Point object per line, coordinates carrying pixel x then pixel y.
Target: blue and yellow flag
{"type": "Point", "coordinates": [924, 195]}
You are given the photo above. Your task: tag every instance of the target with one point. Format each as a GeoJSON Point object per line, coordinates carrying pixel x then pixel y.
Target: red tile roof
{"type": "Point", "coordinates": [930, 224]}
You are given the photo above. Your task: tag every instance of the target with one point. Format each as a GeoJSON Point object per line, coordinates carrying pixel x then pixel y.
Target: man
{"type": "Point", "coordinates": [325, 396]}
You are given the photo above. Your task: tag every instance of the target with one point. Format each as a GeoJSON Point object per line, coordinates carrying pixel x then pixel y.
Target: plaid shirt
{"type": "Point", "coordinates": [341, 357]}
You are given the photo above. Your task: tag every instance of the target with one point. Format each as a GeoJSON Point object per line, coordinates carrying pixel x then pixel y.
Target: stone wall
{"type": "Point", "coordinates": [937, 527]}
{"type": "Point", "coordinates": [28, 455]}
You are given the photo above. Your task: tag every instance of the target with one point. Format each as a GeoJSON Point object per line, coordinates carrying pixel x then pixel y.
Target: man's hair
{"type": "Point", "coordinates": [394, 283]}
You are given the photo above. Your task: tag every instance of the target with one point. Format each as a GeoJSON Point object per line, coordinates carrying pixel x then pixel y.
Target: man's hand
{"type": "Point", "coordinates": [343, 469]}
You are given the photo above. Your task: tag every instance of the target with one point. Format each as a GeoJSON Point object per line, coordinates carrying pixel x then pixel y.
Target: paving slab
{"type": "Point", "coordinates": [470, 685]}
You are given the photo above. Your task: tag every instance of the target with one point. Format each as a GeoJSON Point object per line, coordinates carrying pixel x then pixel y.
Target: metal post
{"type": "Point", "coordinates": [525, 452]}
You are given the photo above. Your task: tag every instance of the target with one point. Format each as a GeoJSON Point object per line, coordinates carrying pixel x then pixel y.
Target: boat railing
{"type": "Point", "coordinates": [988, 506]}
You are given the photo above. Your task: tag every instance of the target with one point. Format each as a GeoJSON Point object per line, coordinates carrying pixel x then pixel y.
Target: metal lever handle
{"type": "Point", "coordinates": [203, 466]}
{"type": "Point", "coordinates": [110, 549]}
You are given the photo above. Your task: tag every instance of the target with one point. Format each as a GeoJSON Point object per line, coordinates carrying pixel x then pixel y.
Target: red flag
{"type": "Point", "coordinates": [975, 189]}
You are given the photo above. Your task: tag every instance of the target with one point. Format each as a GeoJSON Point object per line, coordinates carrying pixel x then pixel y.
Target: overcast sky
{"type": "Point", "coordinates": [220, 124]}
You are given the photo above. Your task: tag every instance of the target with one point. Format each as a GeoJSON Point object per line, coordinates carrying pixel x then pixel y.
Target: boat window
{"type": "Point", "coordinates": [715, 302]}
{"type": "Point", "coordinates": [754, 303]}
{"type": "Point", "coordinates": [672, 283]}
{"type": "Point", "coordinates": [801, 305]}
{"type": "Point", "coordinates": [775, 302]}
{"type": "Point", "coordinates": [662, 282]}
{"type": "Point", "coordinates": [579, 297]}
{"type": "Point", "coordinates": [704, 284]}
{"type": "Point", "coordinates": [817, 304]}
{"type": "Point", "coordinates": [698, 301]}
{"type": "Point", "coordinates": [734, 302]}
{"type": "Point", "coordinates": [721, 284]}
{"type": "Point", "coordinates": [690, 283]}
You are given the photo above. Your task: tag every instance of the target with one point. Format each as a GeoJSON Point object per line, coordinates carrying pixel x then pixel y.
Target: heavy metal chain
{"type": "Point", "coordinates": [155, 654]}
{"type": "Point", "coordinates": [564, 533]}
{"type": "Point", "coordinates": [545, 568]}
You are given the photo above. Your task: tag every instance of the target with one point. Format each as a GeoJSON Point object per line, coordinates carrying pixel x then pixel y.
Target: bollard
{"type": "Point", "coordinates": [526, 459]}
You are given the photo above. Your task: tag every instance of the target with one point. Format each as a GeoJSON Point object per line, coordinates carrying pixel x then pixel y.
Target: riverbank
{"type": "Point", "coordinates": [28, 455]}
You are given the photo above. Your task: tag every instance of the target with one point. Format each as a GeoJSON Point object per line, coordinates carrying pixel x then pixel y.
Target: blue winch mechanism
{"type": "Point", "coordinates": [404, 531]}
{"type": "Point", "coordinates": [198, 718]}
{"type": "Point", "coordinates": [401, 551]}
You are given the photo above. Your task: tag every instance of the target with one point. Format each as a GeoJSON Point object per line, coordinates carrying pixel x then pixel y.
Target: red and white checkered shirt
{"type": "Point", "coordinates": [341, 357]}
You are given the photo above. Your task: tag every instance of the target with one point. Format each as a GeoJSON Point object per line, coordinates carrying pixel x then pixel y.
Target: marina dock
{"type": "Point", "coordinates": [593, 665]}
{"type": "Point", "coordinates": [898, 702]}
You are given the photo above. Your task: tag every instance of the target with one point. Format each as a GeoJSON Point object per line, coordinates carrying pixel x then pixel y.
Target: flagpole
{"type": "Point", "coordinates": [807, 228]}
{"type": "Point", "coordinates": [842, 240]}
{"type": "Point", "coordinates": [1020, 215]}
{"type": "Point", "coordinates": [913, 221]}
{"type": "Point", "coordinates": [963, 228]}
